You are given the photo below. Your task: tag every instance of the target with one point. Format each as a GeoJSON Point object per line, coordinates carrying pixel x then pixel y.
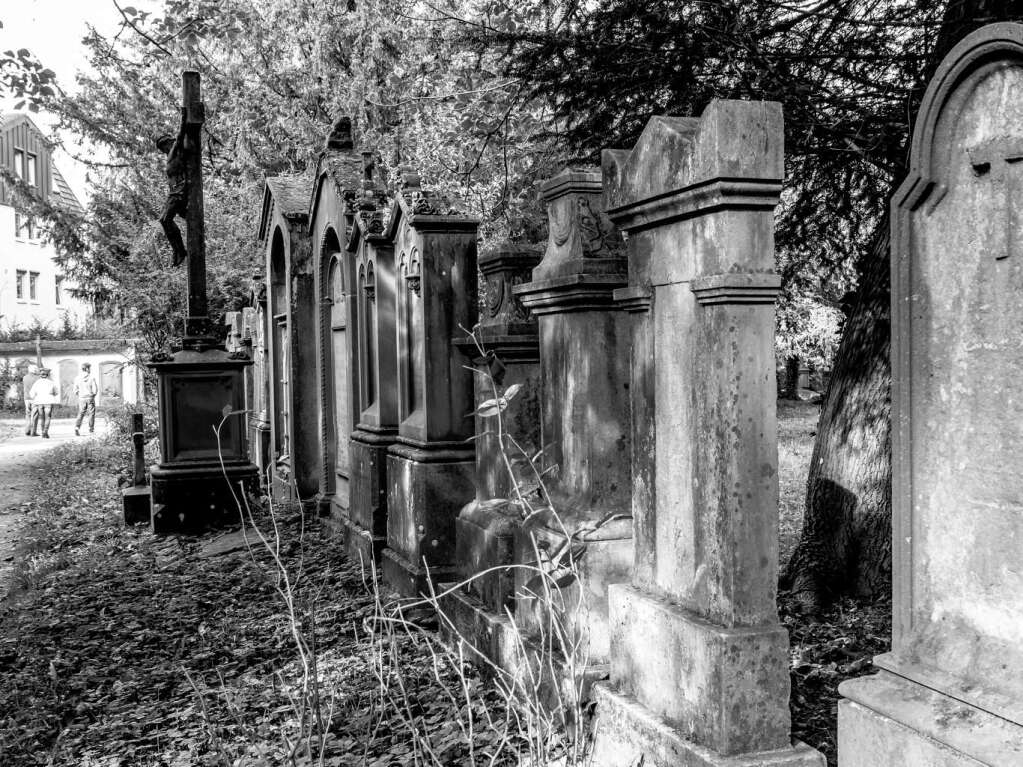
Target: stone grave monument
{"type": "Point", "coordinates": [699, 660]}
{"type": "Point", "coordinates": [951, 690]}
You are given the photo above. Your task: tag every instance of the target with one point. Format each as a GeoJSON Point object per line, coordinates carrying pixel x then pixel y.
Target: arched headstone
{"type": "Point", "coordinates": [950, 692]}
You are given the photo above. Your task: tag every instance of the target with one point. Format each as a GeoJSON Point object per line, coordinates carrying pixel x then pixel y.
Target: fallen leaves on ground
{"type": "Point", "coordinates": [122, 649]}
{"type": "Point", "coordinates": [837, 645]}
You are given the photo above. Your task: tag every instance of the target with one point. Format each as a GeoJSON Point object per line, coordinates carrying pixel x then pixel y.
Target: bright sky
{"type": "Point", "coordinates": [53, 31]}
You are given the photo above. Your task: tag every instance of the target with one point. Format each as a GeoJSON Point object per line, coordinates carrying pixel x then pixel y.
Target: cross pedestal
{"type": "Point", "coordinates": [200, 481]}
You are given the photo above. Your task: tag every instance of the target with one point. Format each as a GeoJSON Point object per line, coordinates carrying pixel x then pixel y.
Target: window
{"type": "Point", "coordinates": [19, 285]}
{"type": "Point", "coordinates": [58, 295]}
{"type": "Point", "coordinates": [19, 163]}
{"type": "Point", "coordinates": [33, 285]}
{"type": "Point", "coordinates": [30, 167]}
{"type": "Point", "coordinates": [24, 227]}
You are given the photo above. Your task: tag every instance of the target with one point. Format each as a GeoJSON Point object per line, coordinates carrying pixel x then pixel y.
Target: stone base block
{"type": "Point", "coordinates": [360, 544]}
{"type": "Point", "coordinates": [496, 645]}
{"type": "Point", "coordinates": [484, 545]}
{"type": "Point", "coordinates": [191, 498]}
{"type": "Point", "coordinates": [426, 490]}
{"type": "Point", "coordinates": [726, 689]}
{"type": "Point", "coordinates": [608, 560]}
{"type": "Point", "coordinates": [367, 499]}
{"type": "Point", "coordinates": [490, 636]}
{"type": "Point", "coordinates": [628, 734]}
{"type": "Point", "coordinates": [137, 503]}
{"type": "Point", "coordinates": [409, 580]}
{"type": "Point", "coordinates": [888, 720]}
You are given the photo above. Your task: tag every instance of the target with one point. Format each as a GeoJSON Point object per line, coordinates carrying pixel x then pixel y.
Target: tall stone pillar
{"type": "Point", "coordinates": [372, 294]}
{"type": "Point", "coordinates": [950, 693]}
{"type": "Point", "coordinates": [584, 362]}
{"type": "Point", "coordinates": [699, 660]}
{"type": "Point", "coordinates": [430, 468]}
{"type": "Point", "coordinates": [485, 530]}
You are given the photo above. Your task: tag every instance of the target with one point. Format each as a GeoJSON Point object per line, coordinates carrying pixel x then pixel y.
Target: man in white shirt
{"type": "Point", "coordinates": [44, 395]}
{"type": "Point", "coordinates": [86, 388]}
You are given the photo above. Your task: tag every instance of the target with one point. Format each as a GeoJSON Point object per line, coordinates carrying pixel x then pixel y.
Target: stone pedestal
{"type": "Point", "coordinates": [584, 363]}
{"type": "Point", "coordinates": [430, 468]}
{"type": "Point", "coordinates": [365, 524]}
{"type": "Point", "coordinates": [198, 483]}
{"type": "Point", "coordinates": [699, 660]}
{"type": "Point", "coordinates": [950, 692]}
{"type": "Point", "coordinates": [137, 505]}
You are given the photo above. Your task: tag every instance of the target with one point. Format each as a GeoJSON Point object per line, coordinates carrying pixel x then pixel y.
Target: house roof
{"type": "Point", "coordinates": [62, 195]}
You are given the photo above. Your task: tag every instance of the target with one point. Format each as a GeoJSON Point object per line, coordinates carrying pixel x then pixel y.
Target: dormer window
{"type": "Point", "coordinates": [19, 163]}
{"type": "Point", "coordinates": [31, 164]}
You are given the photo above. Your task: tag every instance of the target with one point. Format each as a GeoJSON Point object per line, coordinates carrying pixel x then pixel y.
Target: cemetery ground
{"type": "Point", "coordinates": [121, 648]}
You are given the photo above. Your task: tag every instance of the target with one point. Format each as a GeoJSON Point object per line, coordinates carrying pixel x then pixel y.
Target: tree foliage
{"type": "Point", "coordinates": [419, 88]}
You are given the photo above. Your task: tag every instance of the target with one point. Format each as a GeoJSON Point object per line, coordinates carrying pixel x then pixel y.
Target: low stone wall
{"type": "Point", "coordinates": [113, 363]}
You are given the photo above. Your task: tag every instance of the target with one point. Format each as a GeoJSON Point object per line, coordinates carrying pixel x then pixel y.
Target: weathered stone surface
{"type": "Point", "coordinates": [136, 503]}
{"type": "Point", "coordinates": [430, 467]}
{"type": "Point", "coordinates": [426, 490]}
{"type": "Point", "coordinates": [284, 233]}
{"type": "Point", "coordinates": [584, 363]}
{"type": "Point", "coordinates": [484, 544]}
{"type": "Point", "coordinates": [718, 687]}
{"type": "Point", "coordinates": [699, 660]}
{"type": "Point", "coordinates": [956, 318]}
{"type": "Point", "coordinates": [628, 734]}
{"type": "Point", "coordinates": [331, 217]}
{"type": "Point", "coordinates": [886, 719]}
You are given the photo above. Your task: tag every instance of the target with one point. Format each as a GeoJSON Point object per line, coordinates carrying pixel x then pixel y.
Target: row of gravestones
{"type": "Point", "coordinates": [646, 374]}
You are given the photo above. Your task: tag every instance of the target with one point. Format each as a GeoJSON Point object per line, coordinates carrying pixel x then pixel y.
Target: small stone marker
{"type": "Point", "coordinates": [137, 500]}
{"type": "Point", "coordinates": [950, 692]}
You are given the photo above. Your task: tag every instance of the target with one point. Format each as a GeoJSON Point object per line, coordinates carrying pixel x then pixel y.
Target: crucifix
{"type": "Point", "coordinates": [185, 200]}
{"type": "Point", "coordinates": [1000, 158]}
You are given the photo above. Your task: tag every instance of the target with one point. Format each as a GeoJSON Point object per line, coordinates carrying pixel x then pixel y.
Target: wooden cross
{"type": "Point", "coordinates": [197, 311]}
{"type": "Point", "coordinates": [1000, 158]}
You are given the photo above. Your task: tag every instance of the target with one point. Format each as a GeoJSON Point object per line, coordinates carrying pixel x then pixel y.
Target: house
{"type": "Point", "coordinates": [32, 288]}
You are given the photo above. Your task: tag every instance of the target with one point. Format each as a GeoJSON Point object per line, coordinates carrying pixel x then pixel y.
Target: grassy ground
{"type": "Point", "coordinates": [797, 426]}
{"type": "Point", "coordinates": [125, 649]}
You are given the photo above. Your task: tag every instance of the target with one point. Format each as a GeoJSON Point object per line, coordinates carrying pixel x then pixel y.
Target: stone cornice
{"type": "Point", "coordinates": [572, 293]}
{"type": "Point", "coordinates": [698, 199]}
{"type": "Point", "coordinates": [736, 288]}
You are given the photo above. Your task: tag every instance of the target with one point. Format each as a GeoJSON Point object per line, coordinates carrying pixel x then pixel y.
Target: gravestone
{"type": "Point", "coordinates": [374, 361]}
{"type": "Point", "coordinates": [951, 691]}
{"type": "Point", "coordinates": [430, 467]}
{"type": "Point", "coordinates": [505, 353]}
{"type": "Point", "coordinates": [699, 660]}
{"type": "Point", "coordinates": [284, 230]}
{"type": "Point", "coordinates": [584, 404]}
{"type": "Point", "coordinates": [136, 501]}
{"type": "Point", "coordinates": [335, 185]}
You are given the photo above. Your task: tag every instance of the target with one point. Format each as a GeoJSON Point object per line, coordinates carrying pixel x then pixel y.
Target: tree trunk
{"type": "Point", "coordinates": [845, 544]}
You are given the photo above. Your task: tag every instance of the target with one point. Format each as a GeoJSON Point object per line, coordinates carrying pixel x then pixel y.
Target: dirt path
{"type": "Point", "coordinates": [20, 457]}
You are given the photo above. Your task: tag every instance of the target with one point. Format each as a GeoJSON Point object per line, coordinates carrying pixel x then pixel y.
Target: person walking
{"type": "Point", "coordinates": [27, 382]}
{"type": "Point", "coordinates": [45, 395]}
{"type": "Point", "coordinates": [86, 388]}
